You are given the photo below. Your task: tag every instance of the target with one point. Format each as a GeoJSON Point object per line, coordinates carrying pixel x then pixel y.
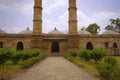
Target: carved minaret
{"type": "Point", "coordinates": [37, 22]}
{"type": "Point", "coordinates": [72, 17]}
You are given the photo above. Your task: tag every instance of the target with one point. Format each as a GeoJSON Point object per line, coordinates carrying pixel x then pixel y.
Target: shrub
{"type": "Point", "coordinates": [98, 54]}
{"type": "Point", "coordinates": [73, 53]}
{"type": "Point", "coordinates": [85, 54]}
{"type": "Point", "coordinates": [27, 63]}
{"type": "Point", "coordinates": [5, 54]}
{"type": "Point", "coordinates": [18, 55]}
{"type": "Point", "coordinates": [9, 62]}
{"type": "Point", "coordinates": [111, 61]}
{"type": "Point", "coordinates": [107, 69]}
{"type": "Point", "coordinates": [24, 55]}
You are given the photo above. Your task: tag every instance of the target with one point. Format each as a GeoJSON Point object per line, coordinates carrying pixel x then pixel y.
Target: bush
{"type": "Point", "coordinates": [98, 54]}
{"type": "Point", "coordinates": [27, 63]}
{"type": "Point", "coordinates": [9, 62]}
{"type": "Point", "coordinates": [5, 54]}
{"type": "Point", "coordinates": [24, 55]}
{"type": "Point", "coordinates": [107, 69]}
{"type": "Point", "coordinates": [85, 54]}
{"type": "Point", "coordinates": [73, 53]}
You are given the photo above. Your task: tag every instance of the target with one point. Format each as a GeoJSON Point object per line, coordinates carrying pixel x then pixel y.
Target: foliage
{"type": "Point", "coordinates": [97, 54]}
{"type": "Point", "coordinates": [27, 63]}
{"type": "Point", "coordinates": [5, 54]}
{"type": "Point", "coordinates": [93, 28]}
{"type": "Point", "coordinates": [85, 54]}
{"type": "Point", "coordinates": [107, 69]}
{"type": "Point", "coordinates": [9, 62]}
{"type": "Point", "coordinates": [109, 27]}
{"type": "Point", "coordinates": [116, 24]}
{"type": "Point", "coordinates": [23, 59]}
{"type": "Point", "coordinates": [73, 53]}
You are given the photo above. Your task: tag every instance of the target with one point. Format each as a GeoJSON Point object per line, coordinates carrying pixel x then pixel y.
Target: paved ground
{"type": "Point", "coordinates": [55, 68]}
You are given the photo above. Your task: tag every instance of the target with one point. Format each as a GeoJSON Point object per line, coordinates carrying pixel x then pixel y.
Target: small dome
{"type": "Point", "coordinates": [27, 31]}
{"type": "Point", "coordinates": [2, 32]}
{"type": "Point", "coordinates": [83, 32]}
{"type": "Point", "coordinates": [109, 32]}
{"type": "Point", "coordinates": [55, 31]}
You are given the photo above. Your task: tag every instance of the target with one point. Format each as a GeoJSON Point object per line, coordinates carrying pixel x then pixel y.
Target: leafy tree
{"type": "Point", "coordinates": [109, 27]}
{"type": "Point", "coordinates": [116, 24]}
{"type": "Point", "coordinates": [93, 28]}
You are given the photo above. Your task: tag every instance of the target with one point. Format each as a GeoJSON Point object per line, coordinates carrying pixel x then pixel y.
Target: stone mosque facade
{"type": "Point", "coordinates": [59, 43]}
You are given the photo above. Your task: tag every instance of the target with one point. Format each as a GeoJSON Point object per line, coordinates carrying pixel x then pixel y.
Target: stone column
{"type": "Point", "coordinates": [37, 22]}
{"type": "Point", "coordinates": [72, 17]}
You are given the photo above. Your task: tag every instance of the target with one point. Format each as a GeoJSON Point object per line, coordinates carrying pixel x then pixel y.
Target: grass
{"type": "Point", "coordinates": [118, 59]}
{"type": "Point", "coordinates": [7, 71]}
{"type": "Point", "coordinates": [88, 66]}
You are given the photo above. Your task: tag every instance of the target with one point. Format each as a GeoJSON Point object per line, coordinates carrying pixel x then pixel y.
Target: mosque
{"type": "Point", "coordinates": [56, 42]}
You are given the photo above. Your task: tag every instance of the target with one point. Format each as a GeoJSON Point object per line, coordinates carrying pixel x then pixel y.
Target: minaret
{"type": "Point", "coordinates": [72, 17]}
{"type": "Point", "coordinates": [37, 22]}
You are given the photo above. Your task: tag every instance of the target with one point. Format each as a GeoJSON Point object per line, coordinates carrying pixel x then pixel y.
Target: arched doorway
{"type": "Point", "coordinates": [20, 46]}
{"type": "Point", "coordinates": [115, 45]}
{"type": "Point", "coordinates": [89, 46]}
{"type": "Point", "coordinates": [1, 44]}
{"type": "Point", "coordinates": [115, 49]}
{"type": "Point", "coordinates": [55, 47]}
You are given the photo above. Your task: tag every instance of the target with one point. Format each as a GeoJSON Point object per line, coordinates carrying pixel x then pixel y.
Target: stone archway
{"type": "Point", "coordinates": [55, 47]}
{"type": "Point", "coordinates": [20, 46]}
{"type": "Point", "coordinates": [89, 46]}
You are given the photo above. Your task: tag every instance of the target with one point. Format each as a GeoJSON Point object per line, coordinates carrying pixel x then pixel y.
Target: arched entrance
{"type": "Point", "coordinates": [55, 47]}
{"type": "Point", "coordinates": [89, 46]}
{"type": "Point", "coordinates": [115, 49]}
{"type": "Point", "coordinates": [115, 45]}
{"type": "Point", "coordinates": [20, 46]}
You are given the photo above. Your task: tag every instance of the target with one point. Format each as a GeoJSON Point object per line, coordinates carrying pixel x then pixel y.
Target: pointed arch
{"type": "Point", "coordinates": [55, 47]}
{"type": "Point", "coordinates": [1, 44]}
{"type": "Point", "coordinates": [20, 46]}
{"type": "Point", "coordinates": [115, 45]}
{"type": "Point", "coordinates": [89, 46]}
{"type": "Point", "coordinates": [115, 49]}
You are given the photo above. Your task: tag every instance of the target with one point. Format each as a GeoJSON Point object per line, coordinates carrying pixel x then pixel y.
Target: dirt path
{"type": "Point", "coordinates": [55, 68]}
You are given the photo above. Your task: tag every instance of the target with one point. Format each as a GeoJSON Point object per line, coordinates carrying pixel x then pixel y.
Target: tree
{"type": "Point", "coordinates": [116, 24]}
{"type": "Point", "coordinates": [109, 27]}
{"type": "Point", "coordinates": [93, 28]}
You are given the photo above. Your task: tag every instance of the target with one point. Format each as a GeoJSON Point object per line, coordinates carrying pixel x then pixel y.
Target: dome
{"type": "Point", "coordinates": [2, 32]}
{"type": "Point", "coordinates": [109, 32]}
{"type": "Point", "coordinates": [27, 31]}
{"type": "Point", "coordinates": [83, 32]}
{"type": "Point", "coordinates": [55, 31]}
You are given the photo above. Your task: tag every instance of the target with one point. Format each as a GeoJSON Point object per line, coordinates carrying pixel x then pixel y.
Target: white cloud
{"type": "Point", "coordinates": [50, 6]}
{"type": "Point", "coordinates": [52, 9]}
{"type": "Point", "coordinates": [20, 7]}
{"type": "Point", "coordinates": [101, 18]}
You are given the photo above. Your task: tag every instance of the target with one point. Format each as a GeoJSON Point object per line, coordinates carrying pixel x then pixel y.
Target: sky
{"type": "Point", "coordinates": [17, 15]}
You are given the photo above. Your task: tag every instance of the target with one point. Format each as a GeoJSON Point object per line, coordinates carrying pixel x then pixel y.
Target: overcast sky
{"type": "Point", "coordinates": [16, 15]}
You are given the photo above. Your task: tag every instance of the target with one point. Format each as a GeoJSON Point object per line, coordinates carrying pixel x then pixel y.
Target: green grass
{"type": "Point", "coordinates": [118, 60]}
{"type": "Point", "coordinates": [8, 70]}
{"type": "Point", "coordinates": [88, 66]}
